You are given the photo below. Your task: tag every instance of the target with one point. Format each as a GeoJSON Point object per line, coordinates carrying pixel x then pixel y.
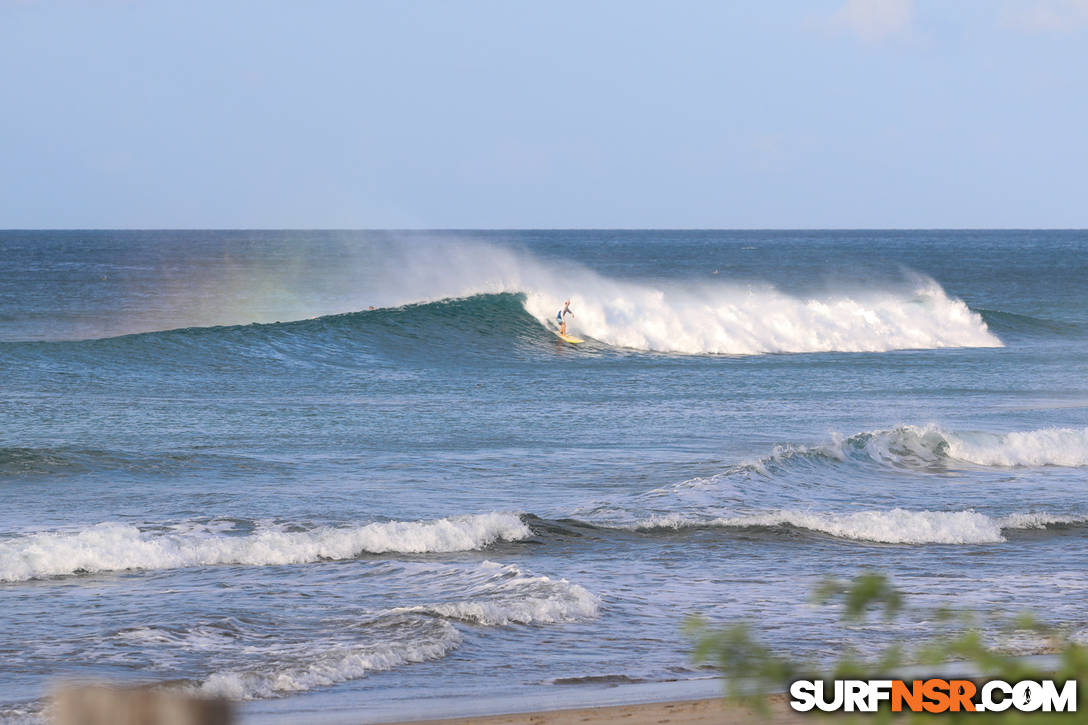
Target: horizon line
{"type": "Point", "coordinates": [544, 229]}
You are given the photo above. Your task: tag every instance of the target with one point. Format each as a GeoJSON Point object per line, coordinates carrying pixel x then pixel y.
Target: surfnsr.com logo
{"type": "Point", "coordinates": [933, 695]}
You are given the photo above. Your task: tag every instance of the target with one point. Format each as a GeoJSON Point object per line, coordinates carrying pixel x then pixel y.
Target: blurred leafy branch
{"type": "Point", "coordinates": [751, 669]}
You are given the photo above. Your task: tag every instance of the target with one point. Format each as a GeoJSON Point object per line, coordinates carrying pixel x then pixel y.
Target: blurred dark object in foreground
{"type": "Point", "coordinates": [135, 705]}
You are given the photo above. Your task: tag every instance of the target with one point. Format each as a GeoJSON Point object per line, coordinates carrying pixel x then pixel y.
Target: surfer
{"type": "Point", "coordinates": [560, 317]}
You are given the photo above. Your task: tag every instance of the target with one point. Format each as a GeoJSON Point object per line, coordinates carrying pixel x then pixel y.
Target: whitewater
{"type": "Point", "coordinates": [723, 317]}
{"type": "Point", "coordinates": [115, 546]}
{"type": "Point", "coordinates": [357, 472]}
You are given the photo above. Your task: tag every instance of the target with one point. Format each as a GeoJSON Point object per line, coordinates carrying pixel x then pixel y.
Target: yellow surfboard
{"type": "Point", "coordinates": [568, 338]}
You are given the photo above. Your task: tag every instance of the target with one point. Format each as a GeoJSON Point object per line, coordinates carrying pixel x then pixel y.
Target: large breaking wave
{"type": "Point", "coordinates": [424, 296]}
{"type": "Point", "coordinates": [724, 316]}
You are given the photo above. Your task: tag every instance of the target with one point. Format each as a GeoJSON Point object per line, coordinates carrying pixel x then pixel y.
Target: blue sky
{"type": "Point", "coordinates": [864, 113]}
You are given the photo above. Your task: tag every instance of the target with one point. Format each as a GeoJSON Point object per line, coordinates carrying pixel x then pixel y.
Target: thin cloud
{"type": "Point", "coordinates": [875, 20]}
{"type": "Point", "coordinates": [1046, 16]}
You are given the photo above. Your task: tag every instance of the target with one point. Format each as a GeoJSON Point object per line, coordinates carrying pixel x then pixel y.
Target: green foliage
{"type": "Point", "coordinates": [733, 649]}
{"type": "Point", "coordinates": [860, 596]}
{"type": "Point", "coordinates": [751, 669]}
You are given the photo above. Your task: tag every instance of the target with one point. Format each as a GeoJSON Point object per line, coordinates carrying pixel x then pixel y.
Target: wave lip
{"type": "Point", "coordinates": [895, 526]}
{"type": "Point", "coordinates": [117, 547]}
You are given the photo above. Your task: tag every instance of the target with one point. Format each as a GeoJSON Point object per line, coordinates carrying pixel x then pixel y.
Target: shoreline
{"type": "Point", "coordinates": [449, 706]}
{"type": "Point", "coordinates": [704, 711]}
{"type": "Point", "coordinates": [650, 702]}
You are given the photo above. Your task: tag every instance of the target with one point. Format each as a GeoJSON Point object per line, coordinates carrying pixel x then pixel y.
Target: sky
{"type": "Point", "coordinates": [556, 114]}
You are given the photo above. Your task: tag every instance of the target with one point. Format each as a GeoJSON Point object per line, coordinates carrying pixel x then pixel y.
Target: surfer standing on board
{"type": "Point", "coordinates": [561, 316]}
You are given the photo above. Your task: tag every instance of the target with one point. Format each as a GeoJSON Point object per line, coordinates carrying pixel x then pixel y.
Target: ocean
{"type": "Point", "coordinates": [356, 475]}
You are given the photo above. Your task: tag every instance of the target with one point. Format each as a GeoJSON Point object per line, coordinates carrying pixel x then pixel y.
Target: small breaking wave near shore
{"type": "Point", "coordinates": [801, 476]}
{"type": "Point", "coordinates": [327, 664]}
{"type": "Point", "coordinates": [922, 447]}
{"type": "Point", "coordinates": [877, 486]}
{"type": "Point", "coordinates": [911, 445]}
{"type": "Point", "coordinates": [117, 547]}
{"type": "Point", "coordinates": [896, 526]}
{"type": "Point", "coordinates": [510, 596]}
{"type": "Point", "coordinates": [494, 595]}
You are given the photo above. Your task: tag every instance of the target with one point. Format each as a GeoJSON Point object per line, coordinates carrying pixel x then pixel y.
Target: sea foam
{"type": "Point", "coordinates": [1046, 447]}
{"type": "Point", "coordinates": [495, 595]}
{"type": "Point", "coordinates": [322, 664]}
{"type": "Point", "coordinates": [114, 546]}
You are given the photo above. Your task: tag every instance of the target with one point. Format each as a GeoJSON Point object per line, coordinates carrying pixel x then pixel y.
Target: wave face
{"type": "Point", "coordinates": [1027, 326]}
{"type": "Point", "coordinates": [117, 547]}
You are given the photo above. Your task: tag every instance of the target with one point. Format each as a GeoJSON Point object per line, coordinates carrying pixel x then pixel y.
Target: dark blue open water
{"type": "Point", "coordinates": [220, 466]}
